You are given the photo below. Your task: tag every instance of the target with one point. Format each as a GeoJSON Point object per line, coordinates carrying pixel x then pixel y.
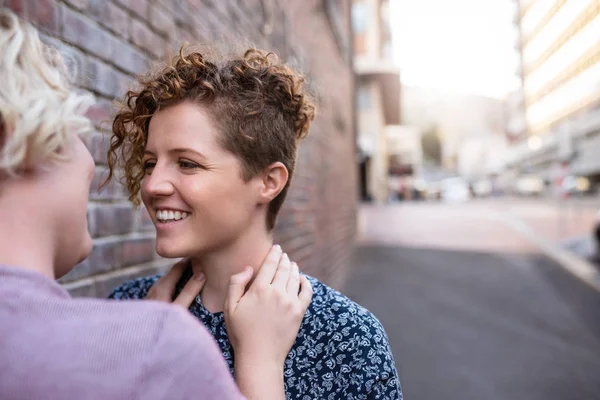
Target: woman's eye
{"type": "Point", "coordinates": [148, 165]}
{"type": "Point", "coordinates": [188, 165]}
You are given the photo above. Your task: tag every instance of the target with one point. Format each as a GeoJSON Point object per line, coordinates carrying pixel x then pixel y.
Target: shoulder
{"type": "Point", "coordinates": [135, 288]}
{"type": "Point", "coordinates": [333, 305]}
{"type": "Point", "coordinates": [349, 335]}
{"type": "Point", "coordinates": [187, 359]}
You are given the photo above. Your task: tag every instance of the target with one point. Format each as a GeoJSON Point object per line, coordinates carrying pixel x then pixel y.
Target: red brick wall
{"type": "Point", "coordinates": [109, 40]}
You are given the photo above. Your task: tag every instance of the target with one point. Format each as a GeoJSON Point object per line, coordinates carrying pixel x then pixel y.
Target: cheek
{"type": "Point", "coordinates": [217, 196]}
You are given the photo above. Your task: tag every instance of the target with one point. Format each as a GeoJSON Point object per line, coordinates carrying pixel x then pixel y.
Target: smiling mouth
{"type": "Point", "coordinates": [169, 216]}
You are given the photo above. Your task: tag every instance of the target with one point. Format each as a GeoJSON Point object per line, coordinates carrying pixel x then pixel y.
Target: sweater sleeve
{"type": "Point", "coordinates": [186, 363]}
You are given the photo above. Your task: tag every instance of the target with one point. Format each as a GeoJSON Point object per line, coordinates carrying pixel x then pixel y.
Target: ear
{"type": "Point", "coordinates": [273, 180]}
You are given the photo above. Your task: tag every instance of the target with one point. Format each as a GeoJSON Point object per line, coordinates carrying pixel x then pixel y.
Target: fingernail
{"type": "Point", "coordinates": [285, 256]}
{"type": "Point", "coordinates": [248, 268]}
{"type": "Point", "coordinates": [200, 276]}
{"type": "Point", "coordinates": [277, 247]}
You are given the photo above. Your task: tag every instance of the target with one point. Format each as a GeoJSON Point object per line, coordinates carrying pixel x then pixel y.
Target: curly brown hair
{"type": "Point", "coordinates": [259, 105]}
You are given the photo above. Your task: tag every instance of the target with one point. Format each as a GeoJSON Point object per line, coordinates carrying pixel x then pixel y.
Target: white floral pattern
{"type": "Point", "coordinates": [341, 352]}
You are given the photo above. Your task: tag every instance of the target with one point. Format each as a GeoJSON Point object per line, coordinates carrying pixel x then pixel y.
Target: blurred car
{"type": "Point", "coordinates": [529, 185]}
{"type": "Point", "coordinates": [482, 188]}
{"type": "Point", "coordinates": [576, 185]}
{"type": "Point", "coordinates": [455, 190]}
{"type": "Point", "coordinates": [433, 191]}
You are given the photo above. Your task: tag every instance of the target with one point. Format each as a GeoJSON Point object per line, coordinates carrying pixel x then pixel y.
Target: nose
{"type": "Point", "coordinates": [158, 182]}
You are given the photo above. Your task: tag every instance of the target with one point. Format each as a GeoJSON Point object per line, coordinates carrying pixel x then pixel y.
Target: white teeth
{"type": "Point", "coordinates": [167, 215]}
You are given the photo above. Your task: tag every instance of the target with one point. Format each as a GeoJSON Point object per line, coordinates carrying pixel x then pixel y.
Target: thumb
{"type": "Point", "coordinates": [237, 286]}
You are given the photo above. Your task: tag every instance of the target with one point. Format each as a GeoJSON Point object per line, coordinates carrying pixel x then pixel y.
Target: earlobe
{"type": "Point", "coordinates": [275, 177]}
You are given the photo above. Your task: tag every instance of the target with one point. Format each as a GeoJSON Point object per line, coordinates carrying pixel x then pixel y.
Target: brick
{"type": "Point", "coordinates": [161, 20]}
{"type": "Point", "coordinates": [84, 289]}
{"type": "Point", "coordinates": [98, 144]}
{"type": "Point", "coordinates": [181, 12]}
{"type": "Point", "coordinates": [104, 78]}
{"type": "Point", "coordinates": [118, 20]}
{"type": "Point", "coordinates": [111, 16]}
{"type": "Point", "coordinates": [112, 219]}
{"type": "Point", "coordinates": [74, 59]}
{"type": "Point", "coordinates": [81, 270]}
{"type": "Point", "coordinates": [131, 60]}
{"type": "Point", "coordinates": [105, 256]}
{"type": "Point", "coordinates": [112, 190]}
{"type": "Point", "coordinates": [100, 114]}
{"type": "Point", "coordinates": [143, 37]}
{"type": "Point", "coordinates": [139, 7]}
{"type": "Point", "coordinates": [85, 33]}
{"type": "Point", "coordinates": [103, 286]}
{"type": "Point", "coordinates": [79, 4]}
{"type": "Point", "coordinates": [42, 13]}
{"type": "Point", "coordinates": [136, 251]}
{"type": "Point", "coordinates": [144, 222]}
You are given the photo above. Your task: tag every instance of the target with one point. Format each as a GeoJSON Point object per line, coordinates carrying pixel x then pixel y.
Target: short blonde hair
{"type": "Point", "coordinates": [39, 113]}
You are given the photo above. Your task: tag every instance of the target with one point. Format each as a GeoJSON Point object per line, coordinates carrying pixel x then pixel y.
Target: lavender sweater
{"type": "Point", "coordinates": [55, 347]}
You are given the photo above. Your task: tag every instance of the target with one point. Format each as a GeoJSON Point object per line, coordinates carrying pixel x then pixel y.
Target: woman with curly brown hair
{"type": "Point", "coordinates": [210, 144]}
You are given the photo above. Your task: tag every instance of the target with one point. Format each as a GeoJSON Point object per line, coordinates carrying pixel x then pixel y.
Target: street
{"type": "Point", "coordinates": [472, 309]}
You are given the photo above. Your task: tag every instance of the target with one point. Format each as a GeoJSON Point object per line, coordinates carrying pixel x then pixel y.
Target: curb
{"type": "Point", "coordinates": [574, 264]}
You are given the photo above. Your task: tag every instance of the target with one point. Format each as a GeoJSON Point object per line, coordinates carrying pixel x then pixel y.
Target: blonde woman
{"type": "Point", "coordinates": [56, 347]}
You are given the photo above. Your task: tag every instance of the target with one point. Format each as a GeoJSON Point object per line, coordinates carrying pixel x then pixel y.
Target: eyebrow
{"type": "Point", "coordinates": [180, 150]}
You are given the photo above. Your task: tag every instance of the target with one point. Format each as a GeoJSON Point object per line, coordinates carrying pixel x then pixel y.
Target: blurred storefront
{"type": "Point", "coordinates": [405, 160]}
{"type": "Point", "coordinates": [378, 94]}
{"type": "Point", "coordinates": [560, 53]}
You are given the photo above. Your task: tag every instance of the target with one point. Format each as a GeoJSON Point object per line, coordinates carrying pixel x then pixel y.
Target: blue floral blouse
{"type": "Point", "coordinates": [341, 352]}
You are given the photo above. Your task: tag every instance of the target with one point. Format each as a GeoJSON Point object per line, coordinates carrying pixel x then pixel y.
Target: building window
{"type": "Point", "coordinates": [363, 98]}
{"type": "Point", "coordinates": [360, 17]}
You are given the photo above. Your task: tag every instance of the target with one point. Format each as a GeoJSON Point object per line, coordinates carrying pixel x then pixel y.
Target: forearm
{"type": "Point", "coordinates": [260, 381]}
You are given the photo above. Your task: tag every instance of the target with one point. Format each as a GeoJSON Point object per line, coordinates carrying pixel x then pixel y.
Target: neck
{"type": "Point", "coordinates": [24, 242]}
{"type": "Point", "coordinates": [250, 248]}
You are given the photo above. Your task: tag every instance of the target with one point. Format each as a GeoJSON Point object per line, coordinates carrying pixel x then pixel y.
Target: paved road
{"type": "Point", "coordinates": [472, 310]}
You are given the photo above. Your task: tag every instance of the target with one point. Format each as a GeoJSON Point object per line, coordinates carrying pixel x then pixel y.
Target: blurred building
{"type": "Point", "coordinates": [560, 54]}
{"type": "Point", "coordinates": [378, 93]}
{"type": "Point", "coordinates": [455, 116]}
{"type": "Point", "coordinates": [482, 156]}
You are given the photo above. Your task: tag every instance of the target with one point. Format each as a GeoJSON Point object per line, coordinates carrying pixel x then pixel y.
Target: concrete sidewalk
{"type": "Point", "coordinates": [576, 255]}
{"type": "Point", "coordinates": [585, 247]}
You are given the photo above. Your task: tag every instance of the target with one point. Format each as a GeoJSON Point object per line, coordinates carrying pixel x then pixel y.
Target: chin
{"type": "Point", "coordinates": [168, 250]}
{"type": "Point", "coordinates": [86, 248]}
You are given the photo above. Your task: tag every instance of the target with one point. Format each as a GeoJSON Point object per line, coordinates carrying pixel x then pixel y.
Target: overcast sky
{"type": "Point", "coordinates": [463, 45]}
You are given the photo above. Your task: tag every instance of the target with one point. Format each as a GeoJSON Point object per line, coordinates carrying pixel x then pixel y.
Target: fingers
{"type": "Point", "coordinates": [282, 276]}
{"type": "Point", "coordinates": [237, 286]}
{"type": "Point", "coordinates": [164, 287]}
{"type": "Point", "coordinates": [171, 278]}
{"type": "Point", "coordinates": [306, 291]}
{"type": "Point", "coordinates": [293, 284]}
{"type": "Point", "coordinates": [191, 289]}
{"type": "Point", "coordinates": [269, 267]}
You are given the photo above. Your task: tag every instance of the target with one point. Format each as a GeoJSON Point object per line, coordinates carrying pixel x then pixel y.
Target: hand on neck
{"type": "Point", "coordinates": [220, 265]}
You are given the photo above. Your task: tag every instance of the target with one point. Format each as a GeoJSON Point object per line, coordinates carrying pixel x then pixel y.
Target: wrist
{"type": "Point", "coordinates": [248, 364]}
{"type": "Point", "coordinates": [259, 379]}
